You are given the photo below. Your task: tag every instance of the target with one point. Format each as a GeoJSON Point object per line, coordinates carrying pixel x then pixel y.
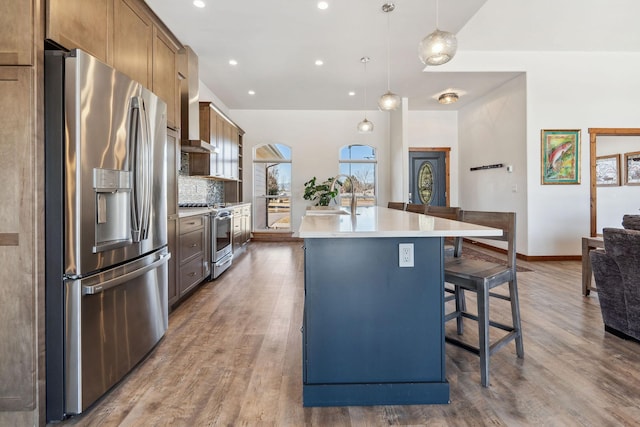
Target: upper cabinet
{"type": "Point", "coordinates": [81, 24]}
{"type": "Point", "coordinates": [220, 132]}
{"type": "Point", "coordinates": [16, 32]}
{"type": "Point", "coordinates": [125, 34]}
{"type": "Point", "coordinates": [165, 75]}
{"type": "Point", "coordinates": [132, 42]}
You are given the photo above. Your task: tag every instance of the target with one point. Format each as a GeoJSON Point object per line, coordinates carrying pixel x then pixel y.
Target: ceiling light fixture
{"type": "Point", "coordinates": [352, 93]}
{"type": "Point", "coordinates": [319, 62]}
{"type": "Point", "coordinates": [251, 92]}
{"type": "Point", "coordinates": [233, 62]}
{"type": "Point", "coordinates": [448, 98]}
{"type": "Point", "coordinates": [198, 3]}
{"type": "Point", "coordinates": [438, 47]}
{"type": "Point", "coordinates": [389, 101]}
{"type": "Point", "coordinates": [365, 126]}
{"type": "Point", "coordinates": [322, 5]}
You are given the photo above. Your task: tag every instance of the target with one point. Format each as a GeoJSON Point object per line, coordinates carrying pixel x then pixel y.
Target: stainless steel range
{"type": "Point", "coordinates": [221, 244]}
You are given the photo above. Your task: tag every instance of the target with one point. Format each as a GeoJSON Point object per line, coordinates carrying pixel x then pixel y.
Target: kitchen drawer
{"type": "Point", "coordinates": [191, 244]}
{"type": "Point", "coordinates": [191, 274]}
{"type": "Point", "coordinates": [190, 223]}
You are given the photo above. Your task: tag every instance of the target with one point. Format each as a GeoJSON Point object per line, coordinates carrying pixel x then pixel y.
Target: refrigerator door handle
{"type": "Point", "coordinates": [112, 283]}
{"type": "Point", "coordinates": [140, 161]}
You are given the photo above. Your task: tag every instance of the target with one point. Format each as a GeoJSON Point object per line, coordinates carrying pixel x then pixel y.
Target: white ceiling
{"type": "Point", "coordinates": [276, 43]}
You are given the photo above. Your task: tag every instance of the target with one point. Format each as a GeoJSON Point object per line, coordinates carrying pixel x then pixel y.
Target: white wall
{"type": "Point", "coordinates": [493, 130]}
{"type": "Point", "coordinates": [564, 90]}
{"type": "Point", "coordinates": [315, 138]}
{"type": "Point", "coordinates": [436, 129]}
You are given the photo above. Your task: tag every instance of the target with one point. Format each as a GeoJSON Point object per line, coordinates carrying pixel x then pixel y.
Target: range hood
{"type": "Point", "coordinates": [189, 108]}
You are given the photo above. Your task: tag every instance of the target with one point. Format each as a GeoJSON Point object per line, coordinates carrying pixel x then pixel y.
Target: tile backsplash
{"type": "Point", "coordinates": [197, 190]}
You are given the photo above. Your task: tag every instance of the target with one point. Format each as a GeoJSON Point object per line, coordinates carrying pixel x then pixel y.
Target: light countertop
{"type": "Point", "coordinates": [378, 221]}
{"type": "Point", "coordinates": [184, 212]}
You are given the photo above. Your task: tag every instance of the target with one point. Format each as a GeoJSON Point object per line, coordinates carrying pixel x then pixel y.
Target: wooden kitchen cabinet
{"type": "Point", "coordinates": [125, 34]}
{"type": "Point", "coordinates": [173, 164]}
{"type": "Point", "coordinates": [16, 32]}
{"type": "Point", "coordinates": [132, 41]}
{"type": "Point", "coordinates": [225, 136]}
{"type": "Point", "coordinates": [193, 252]}
{"type": "Point", "coordinates": [81, 24]}
{"type": "Point", "coordinates": [18, 202]}
{"type": "Point", "coordinates": [241, 225]}
{"type": "Point", "coordinates": [165, 75]}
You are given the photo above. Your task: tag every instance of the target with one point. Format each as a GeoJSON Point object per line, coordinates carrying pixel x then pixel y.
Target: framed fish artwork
{"type": "Point", "coordinates": [560, 156]}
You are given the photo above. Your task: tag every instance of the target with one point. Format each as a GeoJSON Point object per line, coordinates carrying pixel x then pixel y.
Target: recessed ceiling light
{"type": "Point", "coordinates": [322, 5]}
{"type": "Point", "coordinates": [233, 62]}
{"type": "Point", "coordinates": [252, 92]}
{"type": "Point", "coordinates": [352, 93]}
{"type": "Point", "coordinates": [319, 62]}
{"type": "Point", "coordinates": [198, 3]}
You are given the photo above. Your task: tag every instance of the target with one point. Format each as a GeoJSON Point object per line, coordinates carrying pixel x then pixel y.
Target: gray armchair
{"type": "Point", "coordinates": [617, 273]}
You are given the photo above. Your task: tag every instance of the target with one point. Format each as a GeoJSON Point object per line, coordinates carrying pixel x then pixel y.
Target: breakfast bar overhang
{"type": "Point", "coordinates": [373, 332]}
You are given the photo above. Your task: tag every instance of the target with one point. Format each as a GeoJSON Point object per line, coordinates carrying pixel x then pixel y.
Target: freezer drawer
{"type": "Point", "coordinates": [113, 320]}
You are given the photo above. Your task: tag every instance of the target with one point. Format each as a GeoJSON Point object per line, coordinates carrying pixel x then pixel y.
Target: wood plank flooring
{"type": "Point", "coordinates": [232, 356]}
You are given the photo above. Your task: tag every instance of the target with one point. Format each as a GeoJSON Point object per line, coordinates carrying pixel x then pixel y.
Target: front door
{"type": "Point", "coordinates": [427, 177]}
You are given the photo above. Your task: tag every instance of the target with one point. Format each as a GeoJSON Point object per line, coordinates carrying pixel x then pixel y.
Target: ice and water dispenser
{"type": "Point", "coordinates": [113, 206]}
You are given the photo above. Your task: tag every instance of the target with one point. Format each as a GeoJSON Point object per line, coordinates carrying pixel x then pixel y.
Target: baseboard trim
{"type": "Point", "coordinates": [527, 257]}
{"type": "Point", "coordinates": [273, 237]}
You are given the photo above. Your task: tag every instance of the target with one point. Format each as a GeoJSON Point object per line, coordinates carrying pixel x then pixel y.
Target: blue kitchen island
{"type": "Point", "coordinates": [373, 331]}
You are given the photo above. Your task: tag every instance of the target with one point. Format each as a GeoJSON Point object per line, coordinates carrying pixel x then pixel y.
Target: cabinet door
{"type": "Point", "coordinates": [221, 146]}
{"type": "Point", "coordinates": [173, 165]}
{"type": "Point", "coordinates": [165, 76]}
{"type": "Point", "coordinates": [81, 24]}
{"type": "Point", "coordinates": [132, 45]}
{"type": "Point", "coordinates": [16, 32]}
{"type": "Point", "coordinates": [17, 296]}
{"type": "Point", "coordinates": [172, 243]}
{"type": "Point", "coordinates": [228, 150]}
{"type": "Point", "coordinates": [234, 153]}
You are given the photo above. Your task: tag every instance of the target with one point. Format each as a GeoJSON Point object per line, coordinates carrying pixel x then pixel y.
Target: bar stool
{"type": "Point", "coordinates": [480, 277]}
{"type": "Point", "coordinates": [396, 205]}
{"type": "Point", "coordinates": [448, 212]}
{"type": "Point", "coordinates": [417, 208]}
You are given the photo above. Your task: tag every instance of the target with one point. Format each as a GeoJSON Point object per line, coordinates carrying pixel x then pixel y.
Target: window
{"type": "Point", "coordinates": [359, 163]}
{"type": "Point", "coordinates": [272, 188]}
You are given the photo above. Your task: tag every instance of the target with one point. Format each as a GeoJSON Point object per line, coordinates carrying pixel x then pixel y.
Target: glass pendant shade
{"type": "Point", "coordinates": [365, 126]}
{"type": "Point", "coordinates": [389, 101]}
{"type": "Point", "coordinates": [437, 48]}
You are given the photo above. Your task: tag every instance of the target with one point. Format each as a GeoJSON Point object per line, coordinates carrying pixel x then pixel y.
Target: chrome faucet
{"type": "Point", "coordinates": [353, 191]}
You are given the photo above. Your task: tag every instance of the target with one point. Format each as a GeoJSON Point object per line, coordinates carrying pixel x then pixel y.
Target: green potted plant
{"type": "Point", "coordinates": [320, 193]}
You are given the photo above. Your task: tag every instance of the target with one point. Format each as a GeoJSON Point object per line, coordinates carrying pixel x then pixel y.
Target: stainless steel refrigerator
{"type": "Point", "coordinates": [106, 228]}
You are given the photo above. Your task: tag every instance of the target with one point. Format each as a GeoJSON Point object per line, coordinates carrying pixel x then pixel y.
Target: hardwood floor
{"type": "Point", "coordinates": [232, 356]}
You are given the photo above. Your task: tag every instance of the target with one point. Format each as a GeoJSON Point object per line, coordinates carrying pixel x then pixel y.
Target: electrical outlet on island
{"type": "Point", "coordinates": [405, 253]}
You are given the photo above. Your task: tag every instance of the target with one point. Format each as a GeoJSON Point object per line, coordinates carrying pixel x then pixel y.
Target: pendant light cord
{"type": "Point", "coordinates": [388, 52]}
{"type": "Point", "coordinates": [437, 14]}
{"type": "Point", "coordinates": [365, 88]}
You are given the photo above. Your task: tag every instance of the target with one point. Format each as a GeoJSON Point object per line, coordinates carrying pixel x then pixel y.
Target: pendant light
{"type": "Point", "coordinates": [438, 47]}
{"type": "Point", "coordinates": [365, 126]}
{"type": "Point", "coordinates": [389, 101]}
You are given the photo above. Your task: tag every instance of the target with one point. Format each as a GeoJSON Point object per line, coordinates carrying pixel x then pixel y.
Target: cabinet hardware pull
{"type": "Point", "coordinates": [191, 274]}
{"type": "Point", "coordinates": [194, 245]}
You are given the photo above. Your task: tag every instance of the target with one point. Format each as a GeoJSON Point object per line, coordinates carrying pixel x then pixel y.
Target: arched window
{"type": "Point", "coordinates": [272, 187]}
{"type": "Point", "coordinates": [359, 162]}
